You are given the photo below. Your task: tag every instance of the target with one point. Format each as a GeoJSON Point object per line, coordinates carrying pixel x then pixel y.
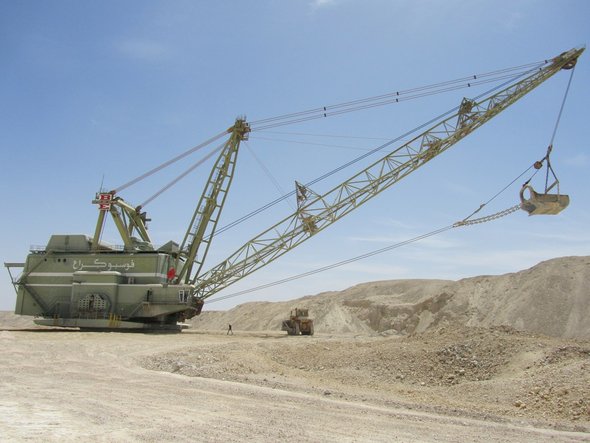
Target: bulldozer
{"type": "Point", "coordinates": [298, 323]}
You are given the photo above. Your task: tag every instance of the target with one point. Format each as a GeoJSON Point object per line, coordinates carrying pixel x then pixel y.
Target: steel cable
{"type": "Point", "coordinates": [169, 162]}
{"type": "Point", "coordinates": [395, 95]}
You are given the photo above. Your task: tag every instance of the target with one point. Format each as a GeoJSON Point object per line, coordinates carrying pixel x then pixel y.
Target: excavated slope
{"type": "Point", "coordinates": [551, 298]}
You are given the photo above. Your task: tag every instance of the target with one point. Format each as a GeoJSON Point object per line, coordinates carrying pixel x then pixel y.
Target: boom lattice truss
{"type": "Point", "coordinates": [317, 212]}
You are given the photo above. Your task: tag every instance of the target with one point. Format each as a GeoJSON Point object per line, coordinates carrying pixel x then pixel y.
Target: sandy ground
{"type": "Point", "coordinates": [484, 359]}
{"type": "Point", "coordinates": [265, 387]}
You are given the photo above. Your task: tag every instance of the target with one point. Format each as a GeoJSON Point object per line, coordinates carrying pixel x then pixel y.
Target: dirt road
{"type": "Point", "coordinates": [74, 386]}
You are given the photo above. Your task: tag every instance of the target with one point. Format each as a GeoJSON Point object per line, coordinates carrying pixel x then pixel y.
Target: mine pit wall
{"type": "Point", "coordinates": [551, 298]}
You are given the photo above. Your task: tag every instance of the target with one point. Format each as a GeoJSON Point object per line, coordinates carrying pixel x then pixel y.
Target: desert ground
{"type": "Point", "coordinates": [405, 361]}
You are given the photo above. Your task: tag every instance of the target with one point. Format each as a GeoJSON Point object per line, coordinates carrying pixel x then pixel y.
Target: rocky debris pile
{"type": "Point", "coordinates": [494, 371]}
{"type": "Point", "coordinates": [558, 384]}
{"type": "Point", "coordinates": [223, 361]}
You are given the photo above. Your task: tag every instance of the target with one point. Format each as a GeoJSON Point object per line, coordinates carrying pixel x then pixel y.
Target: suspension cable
{"type": "Point", "coordinates": [367, 154]}
{"type": "Point", "coordinates": [389, 98]}
{"type": "Point", "coordinates": [184, 174]}
{"type": "Point", "coordinates": [394, 94]}
{"type": "Point", "coordinates": [336, 109]}
{"type": "Point", "coordinates": [332, 172]}
{"type": "Point", "coordinates": [169, 162]}
{"type": "Point", "coordinates": [327, 135]}
{"type": "Point", "coordinates": [370, 152]}
{"type": "Point", "coordinates": [268, 174]}
{"type": "Point", "coordinates": [297, 142]}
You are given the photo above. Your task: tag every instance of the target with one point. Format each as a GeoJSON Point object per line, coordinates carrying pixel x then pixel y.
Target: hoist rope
{"type": "Point", "coordinates": [567, 89]}
{"type": "Point", "coordinates": [550, 148]}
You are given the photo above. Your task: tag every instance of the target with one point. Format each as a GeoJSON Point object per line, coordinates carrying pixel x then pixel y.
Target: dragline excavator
{"type": "Point", "coordinates": [79, 281]}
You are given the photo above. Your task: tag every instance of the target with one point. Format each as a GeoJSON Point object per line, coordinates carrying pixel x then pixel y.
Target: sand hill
{"type": "Point", "coordinates": [407, 360]}
{"type": "Point", "coordinates": [551, 298]}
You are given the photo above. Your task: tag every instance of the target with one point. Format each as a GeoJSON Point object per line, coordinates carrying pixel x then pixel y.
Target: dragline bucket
{"type": "Point", "coordinates": [542, 204]}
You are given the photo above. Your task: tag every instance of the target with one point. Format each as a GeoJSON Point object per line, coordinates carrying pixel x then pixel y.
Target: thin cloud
{"type": "Point", "coordinates": [465, 264]}
{"type": "Point", "coordinates": [317, 4]}
{"type": "Point", "coordinates": [381, 271]}
{"type": "Point", "coordinates": [392, 223]}
{"type": "Point", "coordinates": [570, 237]}
{"type": "Point", "coordinates": [461, 189]}
{"type": "Point", "coordinates": [431, 242]}
{"type": "Point", "coordinates": [144, 50]}
{"type": "Point", "coordinates": [580, 160]}
{"type": "Point", "coordinates": [512, 21]}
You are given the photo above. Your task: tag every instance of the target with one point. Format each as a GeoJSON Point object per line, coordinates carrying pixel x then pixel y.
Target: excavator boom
{"type": "Point", "coordinates": [320, 211]}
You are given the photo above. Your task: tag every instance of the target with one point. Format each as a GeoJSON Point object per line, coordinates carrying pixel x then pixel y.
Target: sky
{"type": "Point", "coordinates": [95, 93]}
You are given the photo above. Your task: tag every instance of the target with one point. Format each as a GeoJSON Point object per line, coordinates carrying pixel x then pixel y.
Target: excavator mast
{"type": "Point", "coordinates": [204, 220]}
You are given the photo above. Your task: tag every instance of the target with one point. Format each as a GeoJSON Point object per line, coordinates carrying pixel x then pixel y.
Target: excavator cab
{"type": "Point", "coordinates": [542, 204]}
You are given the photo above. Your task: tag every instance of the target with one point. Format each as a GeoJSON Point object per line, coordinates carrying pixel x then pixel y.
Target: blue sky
{"type": "Point", "coordinates": [100, 92]}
